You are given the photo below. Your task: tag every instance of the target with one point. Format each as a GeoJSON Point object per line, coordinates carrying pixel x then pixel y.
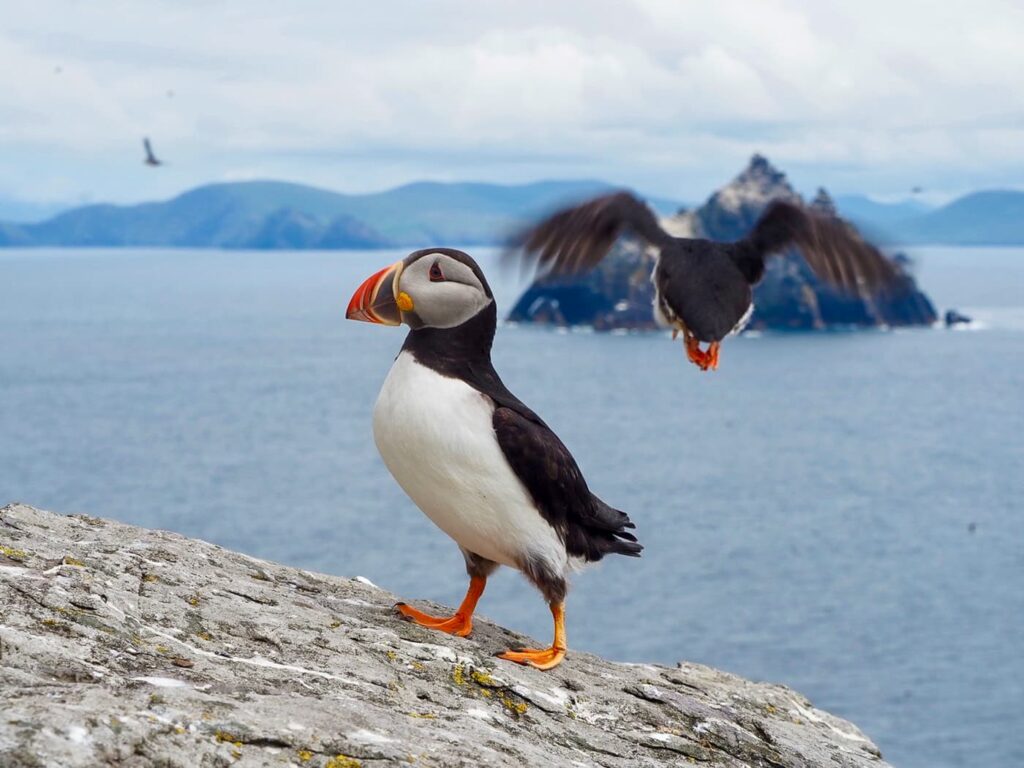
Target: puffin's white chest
{"type": "Point", "coordinates": [436, 436]}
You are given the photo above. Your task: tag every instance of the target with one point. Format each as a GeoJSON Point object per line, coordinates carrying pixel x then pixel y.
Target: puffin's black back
{"type": "Point", "coordinates": [702, 282]}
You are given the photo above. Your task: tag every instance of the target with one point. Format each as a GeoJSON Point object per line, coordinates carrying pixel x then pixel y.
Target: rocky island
{"type": "Point", "coordinates": [131, 647]}
{"type": "Point", "coordinates": [618, 293]}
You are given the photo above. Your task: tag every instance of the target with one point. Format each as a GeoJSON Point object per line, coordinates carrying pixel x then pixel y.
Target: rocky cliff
{"type": "Point", "coordinates": [618, 294]}
{"type": "Point", "coordinates": [129, 647]}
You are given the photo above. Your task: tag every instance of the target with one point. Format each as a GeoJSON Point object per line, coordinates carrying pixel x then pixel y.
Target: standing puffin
{"type": "Point", "coordinates": [480, 464]}
{"type": "Point", "coordinates": [702, 287]}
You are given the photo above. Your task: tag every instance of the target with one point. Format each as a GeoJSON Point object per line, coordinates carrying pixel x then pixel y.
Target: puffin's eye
{"type": "Point", "coordinates": [436, 275]}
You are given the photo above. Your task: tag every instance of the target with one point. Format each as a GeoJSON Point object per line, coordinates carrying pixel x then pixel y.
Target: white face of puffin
{"type": "Point", "coordinates": [428, 289]}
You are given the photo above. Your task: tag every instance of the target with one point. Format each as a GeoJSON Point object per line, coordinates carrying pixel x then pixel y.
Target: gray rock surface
{"type": "Point", "coordinates": [130, 647]}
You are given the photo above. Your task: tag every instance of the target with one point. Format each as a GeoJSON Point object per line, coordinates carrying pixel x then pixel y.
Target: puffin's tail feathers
{"type": "Point", "coordinates": [606, 532]}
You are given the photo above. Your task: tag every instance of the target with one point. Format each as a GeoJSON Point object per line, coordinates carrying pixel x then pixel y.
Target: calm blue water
{"type": "Point", "coordinates": [805, 508]}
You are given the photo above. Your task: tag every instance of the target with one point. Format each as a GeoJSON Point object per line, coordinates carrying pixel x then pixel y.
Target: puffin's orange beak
{"type": "Point", "coordinates": [376, 300]}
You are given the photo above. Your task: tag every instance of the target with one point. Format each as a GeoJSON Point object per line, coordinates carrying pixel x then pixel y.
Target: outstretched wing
{"type": "Point", "coordinates": [590, 528]}
{"type": "Point", "coordinates": [575, 239]}
{"type": "Point", "coordinates": [832, 247]}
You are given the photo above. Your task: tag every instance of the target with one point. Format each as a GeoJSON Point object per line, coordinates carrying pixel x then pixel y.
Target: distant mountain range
{"type": "Point", "coordinates": [980, 218]}
{"type": "Point", "coordinates": [274, 214]}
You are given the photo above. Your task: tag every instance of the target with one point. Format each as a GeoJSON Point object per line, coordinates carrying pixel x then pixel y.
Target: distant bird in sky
{"type": "Point", "coordinates": [150, 157]}
{"type": "Point", "coordinates": [703, 288]}
{"type": "Point", "coordinates": [479, 463]}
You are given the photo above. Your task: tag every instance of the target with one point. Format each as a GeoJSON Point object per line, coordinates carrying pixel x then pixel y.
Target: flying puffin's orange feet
{"type": "Point", "coordinates": [703, 359]}
{"type": "Point", "coordinates": [547, 658]}
{"type": "Point", "coordinates": [461, 623]}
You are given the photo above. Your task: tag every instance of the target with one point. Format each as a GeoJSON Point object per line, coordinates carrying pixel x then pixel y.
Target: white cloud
{"type": "Point", "coordinates": [668, 96]}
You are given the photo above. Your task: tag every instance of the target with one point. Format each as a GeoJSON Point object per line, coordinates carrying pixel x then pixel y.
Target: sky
{"type": "Point", "coordinates": [669, 97]}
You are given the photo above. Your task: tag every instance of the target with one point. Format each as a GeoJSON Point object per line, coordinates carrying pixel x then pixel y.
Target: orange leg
{"type": "Point", "coordinates": [713, 354]}
{"type": "Point", "coordinates": [461, 623]}
{"type": "Point", "coordinates": [545, 658]}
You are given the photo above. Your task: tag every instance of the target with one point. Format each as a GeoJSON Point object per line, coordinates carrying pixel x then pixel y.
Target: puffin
{"type": "Point", "coordinates": [704, 289]}
{"type": "Point", "coordinates": [471, 455]}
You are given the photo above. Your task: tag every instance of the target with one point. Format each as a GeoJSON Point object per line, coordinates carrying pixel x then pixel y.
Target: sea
{"type": "Point", "coordinates": [840, 512]}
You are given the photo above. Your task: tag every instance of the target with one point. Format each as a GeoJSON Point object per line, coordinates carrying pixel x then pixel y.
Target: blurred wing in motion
{"type": "Point", "coordinates": [831, 246]}
{"type": "Point", "coordinates": [575, 239]}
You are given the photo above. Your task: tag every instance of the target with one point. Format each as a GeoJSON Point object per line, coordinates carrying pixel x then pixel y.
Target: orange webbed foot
{"type": "Point", "coordinates": [457, 624]}
{"type": "Point", "coordinates": [461, 623]}
{"type": "Point", "coordinates": [544, 659]}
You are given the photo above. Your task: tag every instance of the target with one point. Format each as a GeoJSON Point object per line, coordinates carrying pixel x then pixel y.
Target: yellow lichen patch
{"type": "Point", "coordinates": [179, 729]}
{"type": "Point", "coordinates": [482, 678]}
{"type": "Point", "coordinates": [304, 755]}
{"type": "Point", "coordinates": [334, 624]}
{"type": "Point", "coordinates": [392, 655]}
{"type": "Point", "coordinates": [770, 709]}
{"type": "Point", "coordinates": [150, 577]}
{"type": "Point", "coordinates": [418, 666]}
{"type": "Point", "coordinates": [227, 737]}
{"type": "Point", "coordinates": [459, 675]}
{"type": "Point", "coordinates": [69, 560]}
{"type": "Point", "coordinates": [423, 715]}
{"type": "Point", "coordinates": [18, 555]}
{"type": "Point", "coordinates": [204, 635]}
{"type": "Point", "coordinates": [193, 600]}
{"type": "Point", "coordinates": [517, 708]}
{"type": "Point", "coordinates": [487, 693]}
{"type": "Point", "coordinates": [342, 761]}
{"type": "Point", "coordinates": [162, 649]}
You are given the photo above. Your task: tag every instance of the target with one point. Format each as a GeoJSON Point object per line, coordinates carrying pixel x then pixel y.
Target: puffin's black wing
{"type": "Point", "coordinates": [831, 246]}
{"type": "Point", "coordinates": [543, 464]}
{"type": "Point", "coordinates": [575, 239]}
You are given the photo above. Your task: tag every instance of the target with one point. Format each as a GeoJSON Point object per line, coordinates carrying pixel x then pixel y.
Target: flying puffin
{"type": "Point", "coordinates": [480, 464]}
{"type": "Point", "coordinates": [151, 159]}
{"type": "Point", "coordinates": [703, 288]}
